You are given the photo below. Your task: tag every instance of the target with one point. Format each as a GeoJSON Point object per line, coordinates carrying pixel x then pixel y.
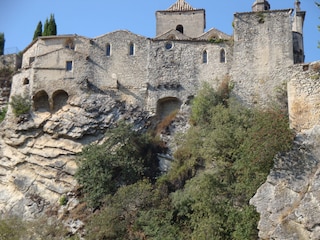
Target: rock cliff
{"type": "Point", "coordinates": [38, 151]}
{"type": "Point", "coordinates": [288, 202]}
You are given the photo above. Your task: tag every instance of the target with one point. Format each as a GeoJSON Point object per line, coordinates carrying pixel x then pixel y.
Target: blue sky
{"type": "Point", "coordinates": [91, 18]}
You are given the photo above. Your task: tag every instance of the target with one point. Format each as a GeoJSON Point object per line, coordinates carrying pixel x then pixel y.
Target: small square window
{"type": "Point", "coordinates": [69, 66]}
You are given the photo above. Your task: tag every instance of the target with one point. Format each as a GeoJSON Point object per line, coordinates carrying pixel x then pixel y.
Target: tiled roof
{"type": "Point", "coordinates": [181, 5]}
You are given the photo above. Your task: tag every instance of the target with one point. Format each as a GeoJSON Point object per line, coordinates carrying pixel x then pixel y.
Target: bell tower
{"type": "Point", "coordinates": [183, 18]}
{"type": "Point", "coordinates": [260, 5]}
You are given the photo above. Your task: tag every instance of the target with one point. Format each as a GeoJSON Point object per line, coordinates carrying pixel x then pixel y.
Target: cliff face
{"type": "Point", "coordinates": [288, 202]}
{"type": "Point", "coordinates": [38, 151]}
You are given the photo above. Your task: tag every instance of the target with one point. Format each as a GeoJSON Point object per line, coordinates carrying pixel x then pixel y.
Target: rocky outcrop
{"type": "Point", "coordinates": [289, 201]}
{"type": "Point", "coordinates": [38, 151]}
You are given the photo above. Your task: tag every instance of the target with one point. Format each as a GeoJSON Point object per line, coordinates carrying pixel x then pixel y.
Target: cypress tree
{"type": "Point", "coordinates": [2, 40]}
{"type": "Point", "coordinates": [45, 29]}
{"type": "Point", "coordinates": [38, 31]}
{"type": "Point", "coordinates": [52, 25]}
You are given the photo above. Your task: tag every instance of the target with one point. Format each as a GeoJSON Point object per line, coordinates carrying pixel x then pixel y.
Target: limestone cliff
{"type": "Point", "coordinates": [288, 202]}
{"type": "Point", "coordinates": [38, 151]}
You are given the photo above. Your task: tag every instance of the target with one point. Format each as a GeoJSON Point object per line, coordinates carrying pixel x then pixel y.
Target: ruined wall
{"type": "Point", "coordinates": [262, 53]}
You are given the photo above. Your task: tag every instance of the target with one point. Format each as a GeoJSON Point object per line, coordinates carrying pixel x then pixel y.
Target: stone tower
{"type": "Point", "coordinates": [297, 29]}
{"type": "Point", "coordinates": [260, 5]}
{"type": "Point", "coordinates": [183, 18]}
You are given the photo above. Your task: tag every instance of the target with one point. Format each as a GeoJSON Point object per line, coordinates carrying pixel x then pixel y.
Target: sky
{"type": "Point", "coordinates": [92, 18]}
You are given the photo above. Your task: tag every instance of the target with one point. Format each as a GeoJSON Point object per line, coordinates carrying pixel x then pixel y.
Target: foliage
{"type": "Point", "coordinates": [11, 229]}
{"type": "Point", "coordinates": [3, 113]}
{"type": "Point", "coordinates": [2, 41]}
{"type": "Point", "coordinates": [124, 158]}
{"type": "Point", "coordinates": [38, 31]}
{"type": "Point", "coordinates": [63, 200]}
{"type": "Point", "coordinates": [219, 165]}
{"type": "Point", "coordinates": [50, 26]}
{"type": "Point", "coordinates": [116, 220]}
{"type": "Point", "coordinates": [20, 105]}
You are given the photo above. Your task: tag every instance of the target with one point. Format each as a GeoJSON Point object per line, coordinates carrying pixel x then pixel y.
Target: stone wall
{"type": "Point", "coordinates": [304, 96]}
{"type": "Point", "coordinates": [263, 51]}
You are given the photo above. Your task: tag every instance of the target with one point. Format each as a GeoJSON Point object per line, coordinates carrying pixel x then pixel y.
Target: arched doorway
{"type": "Point", "coordinates": [41, 101]}
{"type": "Point", "coordinates": [60, 99]}
{"type": "Point", "coordinates": [167, 106]}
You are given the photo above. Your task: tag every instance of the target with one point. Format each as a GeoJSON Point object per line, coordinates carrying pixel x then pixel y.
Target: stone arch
{"type": "Point", "coordinates": [41, 101]}
{"type": "Point", "coordinates": [59, 99]}
{"type": "Point", "coordinates": [166, 106]}
{"type": "Point", "coordinates": [179, 28]}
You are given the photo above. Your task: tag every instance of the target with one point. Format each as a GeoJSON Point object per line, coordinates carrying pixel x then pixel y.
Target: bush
{"type": "Point", "coordinates": [3, 113]}
{"type": "Point", "coordinates": [124, 158]}
{"type": "Point", "coordinates": [11, 229]}
{"type": "Point", "coordinates": [20, 105]}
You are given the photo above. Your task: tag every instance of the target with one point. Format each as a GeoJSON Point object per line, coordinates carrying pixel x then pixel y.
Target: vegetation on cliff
{"type": "Point", "coordinates": [221, 161]}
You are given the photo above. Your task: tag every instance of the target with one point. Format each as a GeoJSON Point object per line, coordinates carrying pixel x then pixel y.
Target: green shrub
{"type": "Point", "coordinates": [3, 113]}
{"type": "Point", "coordinates": [20, 105]}
{"type": "Point", "coordinates": [124, 158]}
{"type": "Point", "coordinates": [63, 200]}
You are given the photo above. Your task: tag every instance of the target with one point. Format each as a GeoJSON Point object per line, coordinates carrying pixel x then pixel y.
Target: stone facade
{"type": "Point", "coordinates": [143, 71]}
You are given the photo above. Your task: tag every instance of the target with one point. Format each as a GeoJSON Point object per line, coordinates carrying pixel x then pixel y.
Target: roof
{"type": "Point", "coordinates": [181, 5]}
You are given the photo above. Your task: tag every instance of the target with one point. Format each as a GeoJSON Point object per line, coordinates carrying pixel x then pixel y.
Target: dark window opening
{"type": "Point", "coordinates": [205, 57]}
{"type": "Point", "coordinates": [25, 81]}
{"type": "Point", "coordinates": [168, 45]}
{"type": "Point", "coordinates": [31, 60]}
{"type": "Point", "coordinates": [69, 66]}
{"type": "Point", "coordinates": [131, 49]}
{"type": "Point", "coordinates": [222, 56]}
{"type": "Point", "coordinates": [108, 50]}
{"type": "Point", "coordinates": [179, 28]}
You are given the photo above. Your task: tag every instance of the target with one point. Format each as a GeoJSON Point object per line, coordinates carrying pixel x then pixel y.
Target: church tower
{"type": "Point", "coordinates": [183, 18]}
{"type": "Point", "coordinates": [260, 5]}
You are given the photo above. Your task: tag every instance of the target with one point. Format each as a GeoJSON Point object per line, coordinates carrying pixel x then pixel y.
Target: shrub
{"type": "Point", "coordinates": [20, 105]}
{"type": "Point", "coordinates": [124, 158]}
{"type": "Point", "coordinates": [3, 113]}
{"type": "Point", "coordinates": [11, 229]}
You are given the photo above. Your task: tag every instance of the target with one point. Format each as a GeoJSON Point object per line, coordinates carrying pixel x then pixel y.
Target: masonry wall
{"type": "Point", "coordinates": [193, 22]}
{"type": "Point", "coordinates": [179, 71]}
{"type": "Point", "coordinates": [304, 96]}
{"type": "Point", "coordinates": [263, 50]}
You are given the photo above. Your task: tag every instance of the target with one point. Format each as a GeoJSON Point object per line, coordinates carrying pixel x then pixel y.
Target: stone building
{"type": "Point", "coordinates": [161, 73]}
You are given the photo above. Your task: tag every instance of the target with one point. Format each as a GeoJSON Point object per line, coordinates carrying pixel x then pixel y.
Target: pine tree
{"type": "Point", "coordinates": [2, 40]}
{"type": "Point", "coordinates": [38, 31]}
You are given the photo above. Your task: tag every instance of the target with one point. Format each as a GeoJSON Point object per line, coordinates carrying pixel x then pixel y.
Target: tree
{"type": "Point", "coordinates": [50, 27]}
{"type": "Point", "coordinates": [2, 40]}
{"type": "Point", "coordinates": [38, 31]}
{"type": "Point", "coordinates": [45, 28]}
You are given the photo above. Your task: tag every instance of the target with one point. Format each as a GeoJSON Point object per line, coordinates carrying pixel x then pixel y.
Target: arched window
{"type": "Point", "coordinates": [179, 28]}
{"type": "Point", "coordinates": [131, 49]}
{"type": "Point", "coordinates": [108, 50]}
{"type": "Point", "coordinates": [205, 56]}
{"type": "Point", "coordinates": [222, 56]}
{"type": "Point", "coordinates": [41, 101]}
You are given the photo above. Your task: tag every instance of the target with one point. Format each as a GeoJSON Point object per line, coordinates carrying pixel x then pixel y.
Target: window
{"type": "Point", "coordinates": [69, 66]}
{"type": "Point", "coordinates": [168, 45]}
{"type": "Point", "coordinates": [222, 56]}
{"type": "Point", "coordinates": [179, 28]}
{"type": "Point", "coordinates": [205, 57]}
{"type": "Point", "coordinates": [108, 50]}
{"type": "Point", "coordinates": [31, 60]}
{"type": "Point", "coordinates": [131, 49]}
